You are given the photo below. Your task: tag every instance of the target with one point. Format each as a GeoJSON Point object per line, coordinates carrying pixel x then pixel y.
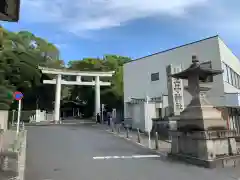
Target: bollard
{"type": "Point", "coordinates": [127, 132]}
{"type": "Point", "coordinates": [112, 128]}
{"type": "Point", "coordinates": [156, 141]}
{"type": "Point", "coordinates": [112, 125]}
{"type": "Point", "coordinates": [119, 128]}
{"type": "Point", "coordinates": [23, 126]}
{"type": "Point", "coordinates": [138, 136]}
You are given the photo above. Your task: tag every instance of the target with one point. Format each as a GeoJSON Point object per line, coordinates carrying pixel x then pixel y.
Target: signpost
{"type": "Point", "coordinates": [18, 96]}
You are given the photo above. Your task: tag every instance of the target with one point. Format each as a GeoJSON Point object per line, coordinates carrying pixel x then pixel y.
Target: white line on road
{"type": "Point", "coordinates": [125, 157]}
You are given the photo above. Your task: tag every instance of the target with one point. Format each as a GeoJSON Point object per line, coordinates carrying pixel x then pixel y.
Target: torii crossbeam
{"type": "Point", "coordinates": [59, 81]}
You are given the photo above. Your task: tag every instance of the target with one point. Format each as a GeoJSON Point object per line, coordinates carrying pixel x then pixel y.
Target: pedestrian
{"type": "Point", "coordinates": [109, 117]}
{"type": "Point", "coordinates": [98, 118]}
{"type": "Point", "coordinates": [104, 116]}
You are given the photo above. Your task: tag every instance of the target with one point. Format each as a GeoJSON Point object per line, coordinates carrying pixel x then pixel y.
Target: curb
{"type": "Point", "coordinates": [58, 124]}
{"type": "Point", "coordinates": [139, 144]}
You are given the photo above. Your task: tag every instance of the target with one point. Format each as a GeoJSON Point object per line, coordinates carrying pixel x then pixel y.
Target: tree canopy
{"type": "Point", "coordinates": [112, 96]}
{"type": "Point", "coordinates": [20, 55]}
{"type": "Point", "coordinates": [22, 52]}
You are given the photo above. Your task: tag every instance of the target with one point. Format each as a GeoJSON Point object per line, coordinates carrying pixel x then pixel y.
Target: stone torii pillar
{"type": "Point", "coordinates": [59, 81]}
{"type": "Point", "coordinates": [97, 96]}
{"type": "Point", "coordinates": [57, 98]}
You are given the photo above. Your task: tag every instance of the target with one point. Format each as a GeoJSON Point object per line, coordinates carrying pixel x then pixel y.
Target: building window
{"type": "Point", "coordinates": [154, 76]}
{"type": "Point", "coordinates": [237, 85]}
{"type": "Point", "coordinates": [225, 73]}
{"type": "Point", "coordinates": [229, 75]}
{"type": "Point", "coordinates": [160, 112]}
{"type": "Point", "coordinates": [232, 76]}
{"type": "Point", "coordinates": [236, 79]}
{"type": "Point", "coordinates": [238, 82]}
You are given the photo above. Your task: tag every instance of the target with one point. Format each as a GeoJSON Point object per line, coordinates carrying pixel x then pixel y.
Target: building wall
{"type": "Point", "coordinates": [138, 116]}
{"type": "Point", "coordinates": [150, 112]}
{"type": "Point", "coordinates": [231, 61]}
{"type": "Point", "coordinates": [137, 74]}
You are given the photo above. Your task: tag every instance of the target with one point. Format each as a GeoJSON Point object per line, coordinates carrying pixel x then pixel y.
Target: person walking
{"type": "Point", "coordinates": [98, 118]}
{"type": "Point", "coordinates": [109, 117]}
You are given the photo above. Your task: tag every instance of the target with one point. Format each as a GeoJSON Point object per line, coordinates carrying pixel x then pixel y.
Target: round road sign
{"type": "Point", "coordinates": [18, 95]}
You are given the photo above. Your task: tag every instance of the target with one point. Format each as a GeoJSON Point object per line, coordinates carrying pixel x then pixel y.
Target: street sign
{"type": "Point", "coordinates": [18, 95]}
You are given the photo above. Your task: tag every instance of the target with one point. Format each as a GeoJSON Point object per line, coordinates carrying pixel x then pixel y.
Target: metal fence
{"type": "Point", "coordinates": [25, 116]}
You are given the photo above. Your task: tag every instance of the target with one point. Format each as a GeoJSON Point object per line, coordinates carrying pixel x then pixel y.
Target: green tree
{"type": "Point", "coordinates": [113, 96]}
{"type": "Point", "coordinates": [20, 55]}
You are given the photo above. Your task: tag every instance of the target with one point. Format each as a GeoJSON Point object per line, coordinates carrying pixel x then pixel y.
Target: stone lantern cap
{"type": "Point", "coordinates": [196, 69]}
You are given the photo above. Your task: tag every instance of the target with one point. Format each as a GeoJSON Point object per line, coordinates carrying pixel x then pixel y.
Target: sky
{"type": "Point", "coordinates": [133, 28]}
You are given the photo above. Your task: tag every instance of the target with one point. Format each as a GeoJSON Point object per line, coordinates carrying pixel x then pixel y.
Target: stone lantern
{"type": "Point", "coordinates": [202, 137]}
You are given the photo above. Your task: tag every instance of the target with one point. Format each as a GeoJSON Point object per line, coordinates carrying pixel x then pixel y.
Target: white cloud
{"type": "Point", "coordinates": [83, 15]}
{"type": "Point", "coordinates": [220, 17]}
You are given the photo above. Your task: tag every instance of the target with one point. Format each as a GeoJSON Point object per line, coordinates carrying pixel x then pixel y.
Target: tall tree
{"type": "Point", "coordinates": [20, 56]}
{"type": "Point", "coordinates": [113, 96]}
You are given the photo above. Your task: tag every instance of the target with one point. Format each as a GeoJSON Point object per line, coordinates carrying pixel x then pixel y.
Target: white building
{"type": "Point", "coordinates": [146, 76]}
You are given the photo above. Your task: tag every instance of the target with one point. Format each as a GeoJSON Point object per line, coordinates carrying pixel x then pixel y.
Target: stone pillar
{"type": "Point", "coordinates": [97, 95]}
{"type": "Point", "coordinates": [57, 98]}
{"type": "Point", "coordinates": [79, 78]}
{"type": "Point", "coordinates": [3, 120]}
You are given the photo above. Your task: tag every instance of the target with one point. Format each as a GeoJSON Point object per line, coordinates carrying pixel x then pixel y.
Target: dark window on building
{"type": "Point", "coordinates": [229, 75]}
{"type": "Point", "coordinates": [232, 76]}
{"type": "Point", "coordinates": [238, 82]}
{"type": "Point", "coordinates": [235, 80]}
{"type": "Point", "coordinates": [160, 112]}
{"type": "Point", "coordinates": [154, 76]}
{"type": "Point", "coordinates": [225, 73]}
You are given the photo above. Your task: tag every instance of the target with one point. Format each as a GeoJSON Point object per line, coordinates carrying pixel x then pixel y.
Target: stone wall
{"type": "Point", "coordinates": [3, 120]}
{"type": "Point", "coordinates": [22, 156]}
{"type": "Point", "coordinates": [13, 156]}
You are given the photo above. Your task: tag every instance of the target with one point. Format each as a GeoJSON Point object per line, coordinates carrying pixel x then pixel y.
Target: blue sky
{"type": "Point", "coordinates": [134, 28]}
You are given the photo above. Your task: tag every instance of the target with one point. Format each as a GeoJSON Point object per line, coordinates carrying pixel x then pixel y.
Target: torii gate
{"type": "Point", "coordinates": [59, 81]}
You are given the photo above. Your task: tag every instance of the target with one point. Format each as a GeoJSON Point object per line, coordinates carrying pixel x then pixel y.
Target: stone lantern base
{"type": "Point", "coordinates": [205, 148]}
{"type": "Point", "coordinates": [201, 136]}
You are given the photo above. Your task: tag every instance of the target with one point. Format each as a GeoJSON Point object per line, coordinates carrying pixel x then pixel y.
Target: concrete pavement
{"type": "Point", "coordinates": [85, 152]}
{"type": "Point", "coordinates": [164, 146]}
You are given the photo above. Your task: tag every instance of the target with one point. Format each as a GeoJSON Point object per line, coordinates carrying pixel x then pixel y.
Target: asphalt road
{"type": "Point", "coordinates": [75, 152]}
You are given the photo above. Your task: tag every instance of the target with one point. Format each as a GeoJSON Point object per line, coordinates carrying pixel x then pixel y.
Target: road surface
{"type": "Point", "coordinates": [84, 152]}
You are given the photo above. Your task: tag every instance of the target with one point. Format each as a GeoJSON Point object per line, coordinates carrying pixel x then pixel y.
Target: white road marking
{"type": "Point", "coordinates": [125, 157]}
